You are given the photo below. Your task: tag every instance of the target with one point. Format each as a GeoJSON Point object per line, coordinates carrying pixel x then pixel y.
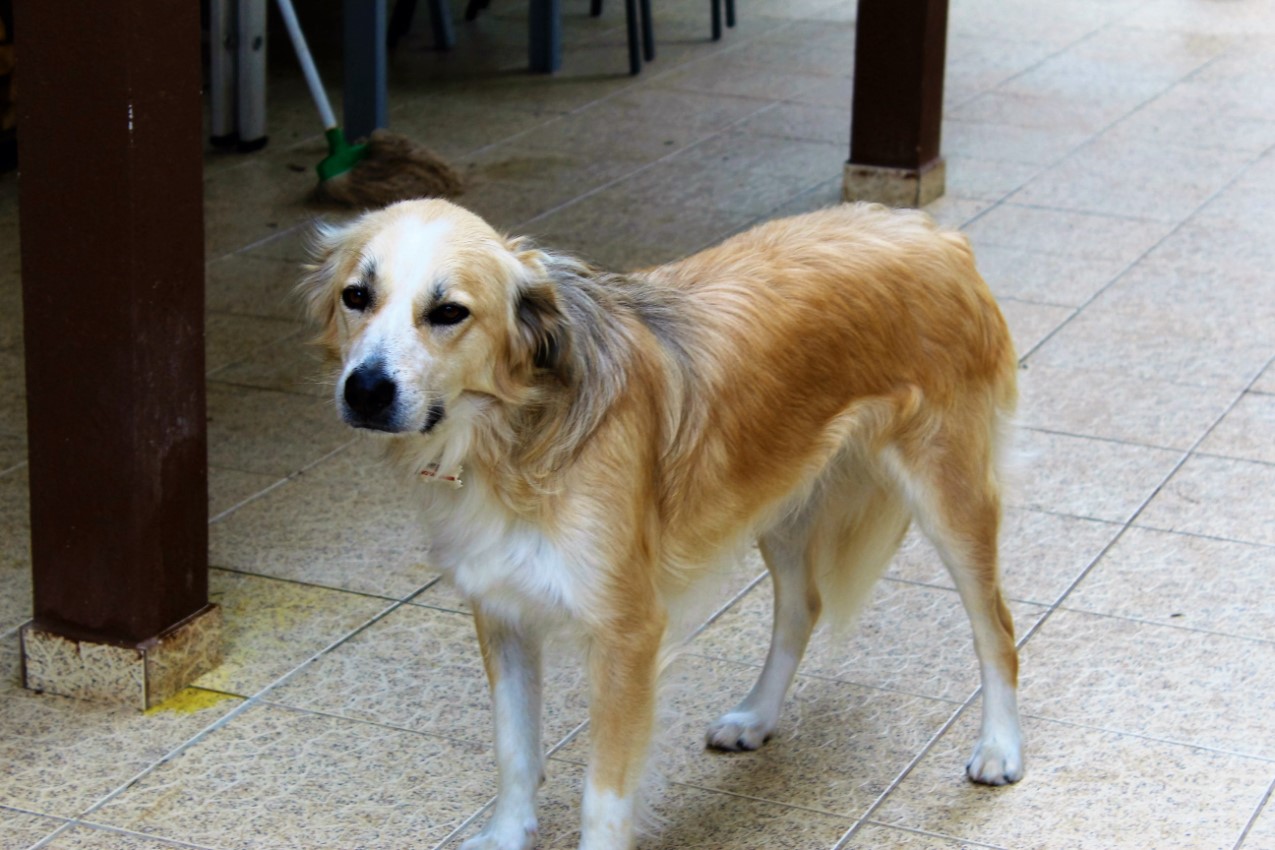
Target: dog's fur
{"type": "Point", "coordinates": [814, 383]}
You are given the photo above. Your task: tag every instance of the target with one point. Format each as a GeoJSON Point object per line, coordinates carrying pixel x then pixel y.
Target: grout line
{"type": "Point", "coordinates": [329, 588]}
{"type": "Point", "coordinates": [282, 481]}
{"type": "Point", "coordinates": [67, 826]}
{"type": "Point", "coordinates": [939, 835]}
{"type": "Point", "coordinates": [1119, 441]}
{"type": "Point", "coordinates": [1257, 812]}
{"type": "Point", "coordinates": [116, 830]}
{"type": "Point", "coordinates": [1182, 628]}
{"type": "Point", "coordinates": [1141, 736]}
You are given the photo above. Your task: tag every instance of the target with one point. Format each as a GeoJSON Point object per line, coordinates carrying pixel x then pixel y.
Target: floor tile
{"type": "Point", "coordinates": [291, 365]}
{"type": "Point", "coordinates": [232, 339]}
{"type": "Point", "coordinates": [1214, 497]}
{"type": "Point", "coordinates": [348, 524]}
{"type": "Point", "coordinates": [802, 121]}
{"type": "Point", "coordinates": [1040, 555]}
{"type": "Point", "coordinates": [1265, 382]}
{"type": "Point", "coordinates": [88, 838]}
{"type": "Point", "coordinates": [1169, 121]}
{"type": "Point", "coordinates": [269, 627]}
{"type": "Point", "coordinates": [1084, 788]}
{"type": "Point", "coordinates": [1261, 836]}
{"type": "Point", "coordinates": [421, 669]}
{"type": "Point", "coordinates": [1084, 477]}
{"type": "Point", "coordinates": [253, 201]}
{"type": "Point", "coordinates": [1009, 142]}
{"type": "Point", "coordinates": [830, 730]}
{"type": "Point", "coordinates": [19, 830]}
{"type": "Point", "coordinates": [1197, 582]}
{"type": "Point", "coordinates": [871, 836]}
{"type": "Point", "coordinates": [1115, 674]}
{"type": "Point", "coordinates": [13, 452]}
{"type": "Point", "coordinates": [15, 552]}
{"type": "Point", "coordinates": [280, 779]}
{"type": "Point", "coordinates": [13, 413]}
{"type": "Point", "coordinates": [1031, 324]}
{"type": "Point", "coordinates": [1076, 234]}
{"type": "Point", "coordinates": [989, 179]}
{"type": "Point", "coordinates": [683, 818]}
{"type": "Point", "coordinates": [1117, 406]}
{"type": "Point", "coordinates": [1165, 184]}
{"type": "Point", "coordinates": [254, 283]}
{"type": "Point", "coordinates": [909, 638]}
{"type": "Point", "coordinates": [1247, 431]}
{"type": "Point", "coordinates": [227, 488]}
{"type": "Point", "coordinates": [270, 433]}
{"type": "Point", "coordinates": [63, 755]}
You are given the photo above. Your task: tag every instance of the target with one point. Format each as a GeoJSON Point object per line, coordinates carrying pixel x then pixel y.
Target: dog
{"type": "Point", "coordinates": [592, 441]}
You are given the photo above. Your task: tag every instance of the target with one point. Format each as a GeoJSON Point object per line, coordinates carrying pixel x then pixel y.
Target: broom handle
{"type": "Point", "coordinates": [307, 64]}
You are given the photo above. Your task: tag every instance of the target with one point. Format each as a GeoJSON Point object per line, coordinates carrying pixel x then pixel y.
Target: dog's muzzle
{"type": "Point", "coordinates": [369, 396]}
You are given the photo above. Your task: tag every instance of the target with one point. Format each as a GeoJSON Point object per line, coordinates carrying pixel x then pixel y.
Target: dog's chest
{"type": "Point", "coordinates": [498, 559]}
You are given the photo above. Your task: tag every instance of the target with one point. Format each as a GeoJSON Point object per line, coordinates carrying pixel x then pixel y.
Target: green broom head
{"type": "Point", "coordinates": [342, 156]}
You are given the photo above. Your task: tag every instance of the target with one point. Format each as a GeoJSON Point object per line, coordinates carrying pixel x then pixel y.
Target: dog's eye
{"type": "Point", "coordinates": [447, 314]}
{"type": "Point", "coordinates": [356, 297]}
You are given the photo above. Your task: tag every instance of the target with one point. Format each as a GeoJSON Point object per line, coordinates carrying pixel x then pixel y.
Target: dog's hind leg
{"type": "Point", "coordinates": [956, 501]}
{"type": "Point", "coordinates": [797, 604]}
{"type": "Point", "coordinates": [511, 655]}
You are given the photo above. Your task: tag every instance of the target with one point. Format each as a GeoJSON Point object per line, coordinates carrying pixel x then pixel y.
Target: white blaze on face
{"type": "Point", "coordinates": [407, 258]}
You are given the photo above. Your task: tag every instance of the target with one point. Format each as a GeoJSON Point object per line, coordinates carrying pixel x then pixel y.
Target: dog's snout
{"type": "Point", "coordinates": [370, 393]}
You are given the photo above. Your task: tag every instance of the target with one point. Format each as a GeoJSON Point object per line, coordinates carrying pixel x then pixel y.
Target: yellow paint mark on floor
{"type": "Point", "coordinates": [189, 701]}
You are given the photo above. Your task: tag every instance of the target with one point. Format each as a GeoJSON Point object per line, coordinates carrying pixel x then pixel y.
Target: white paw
{"type": "Point", "coordinates": [504, 836]}
{"type": "Point", "coordinates": [996, 762]}
{"type": "Point", "coordinates": [740, 730]}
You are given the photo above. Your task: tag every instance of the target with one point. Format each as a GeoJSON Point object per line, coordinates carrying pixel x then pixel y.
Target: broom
{"type": "Point", "coordinates": [388, 167]}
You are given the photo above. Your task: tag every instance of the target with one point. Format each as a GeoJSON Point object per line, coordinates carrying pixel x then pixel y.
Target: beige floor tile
{"type": "Point", "coordinates": [756, 83]}
{"type": "Point", "coordinates": [738, 173]}
{"type": "Point", "coordinates": [13, 453]}
{"type": "Point", "coordinates": [509, 185]}
{"type": "Point", "coordinates": [15, 551]}
{"type": "Point", "coordinates": [254, 200]}
{"type": "Point", "coordinates": [1265, 382]}
{"type": "Point", "coordinates": [873, 837]}
{"type": "Point", "coordinates": [232, 338]}
{"type": "Point", "coordinates": [1009, 142]}
{"type": "Point", "coordinates": [88, 838]}
{"type": "Point", "coordinates": [987, 179]}
{"type": "Point", "coordinates": [457, 127]}
{"type": "Point", "coordinates": [1206, 690]}
{"type": "Point", "coordinates": [348, 524]}
{"type": "Point", "coordinates": [227, 488]}
{"type": "Point", "coordinates": [1239, 208]}
{"type": "Point", "coordinates": [1117, 406]}
{"type": "Point", "coordinates": [270, 433]}
{"type": "Point", "coordinates": [1039, 111]}
{"type": "Point", "coordinates": [421, 669]}
{"type": "Point", "coordinates": [1247, 431]}
{"type": "Point", "coordinates": [801, 121]}
{"type": "Point", "coordinates": [291, 365]}
{"type": "Point", "coordinates": [1030, 324]}
{"type": "Point", "coordinates": [285, 780]}
{"type": "Point", "coordinates": [1261, 836]}
{"type": "Point", "coordinates": [270, 627]}
{"type": "Point", "coordinates": [683, 818]}
{"type": "Point", "coordinates": [1169, 121]}
{"type": "Point", "coordinates": [1084, 788]}
{"type": "Point", "coordinates": [1040, 555]}
{"type": "Point", "coordinates": [19, 830]}
{"type": "Point", "coordinates": [1074, 234]}
{"type": "Point", "coordinates": [1084, 477]}
{"type": "Point", "coordinates": [1215, 497]}
{"type": "Point", "coordinates": [13, 413]}
{"type": "Point", "coordinates": [620, 231]}
{"type": "Point", "coordinates": [255, 283]}
{"type": "Point", "coordinates": [1177, 579]}
{"type": "Point", "coordinates": [909, 638]}
{"type": "Point", "coordinates": [63, 755]}
{"type": "Point", "coordinates": [854, 740]}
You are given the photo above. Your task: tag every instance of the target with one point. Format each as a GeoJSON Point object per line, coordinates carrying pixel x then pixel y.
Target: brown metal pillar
{"type": "Point", "coordinates": [900, 47]}
{"type": "Point", "coordinates": [111, 212]}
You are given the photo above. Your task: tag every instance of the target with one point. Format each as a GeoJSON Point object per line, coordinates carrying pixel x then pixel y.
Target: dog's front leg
{"type": "Point", "coordinates": [623, 665]}
{"type": "Point", "coordinates": [511, 654]}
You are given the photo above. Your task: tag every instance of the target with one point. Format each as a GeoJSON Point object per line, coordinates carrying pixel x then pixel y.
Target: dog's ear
{"type": "Point", "coordinates": [542, 333]}
{"type": "Point", "coordinates": [317, 288]}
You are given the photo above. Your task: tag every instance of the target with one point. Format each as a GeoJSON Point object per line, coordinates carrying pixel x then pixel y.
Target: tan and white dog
{"type": "Point", "coordinates": [814, 383]}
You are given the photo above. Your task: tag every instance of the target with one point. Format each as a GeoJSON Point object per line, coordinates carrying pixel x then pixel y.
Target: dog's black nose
{"type": "Point", "coordinates": [369, 393]}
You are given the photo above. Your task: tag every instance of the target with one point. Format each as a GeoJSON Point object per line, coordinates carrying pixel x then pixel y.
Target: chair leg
{"type": "Point", "coordinates": [631, 21]}
{"type": "Point", "coordinates": [648, 30]}
{"type": "Point", "coordinates": [595, 8]}
{"type": "Point", "coordinates": [730, 13]}
{"type": "Point", "coordinates": [717, 19]}
{"type": "Point", "coordinates": [400, 21]}
{"type": "Point", "coordinates": [440, 21]}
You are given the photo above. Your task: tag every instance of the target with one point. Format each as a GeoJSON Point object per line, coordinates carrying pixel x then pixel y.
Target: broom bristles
{"type": "Point", "coordinates": [394, 168]}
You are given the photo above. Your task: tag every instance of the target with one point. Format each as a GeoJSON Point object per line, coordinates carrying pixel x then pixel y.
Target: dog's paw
{"type": "Point", "coordinates": [739, 730]}
{"type": "Point", "coordinates": [504, 836]}
{"type": "Point", "coordinates": [996, 762]}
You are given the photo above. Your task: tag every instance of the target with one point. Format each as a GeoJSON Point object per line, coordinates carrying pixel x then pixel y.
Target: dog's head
{"type": "Point", "coordinates": [423, 305]}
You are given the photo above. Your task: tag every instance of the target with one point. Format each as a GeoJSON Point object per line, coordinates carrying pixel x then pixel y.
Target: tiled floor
{"type": "Point", "coordinates": [1113, 162]}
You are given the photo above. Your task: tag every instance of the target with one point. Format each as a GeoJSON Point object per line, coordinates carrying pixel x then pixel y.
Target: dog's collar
{"type": "Point", "coordinates": [430, 474]}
